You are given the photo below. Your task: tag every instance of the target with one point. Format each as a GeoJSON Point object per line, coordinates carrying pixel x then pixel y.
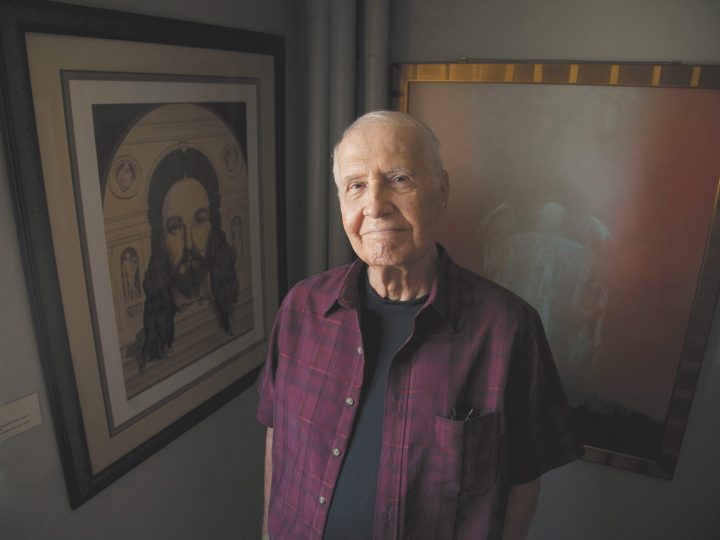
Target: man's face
{"type": "Point", "coordinates": [389, 199]}
{"type": "Point", "coordinates": [186, 227]}
{"type": "Point", "coordinates": [186, 219]}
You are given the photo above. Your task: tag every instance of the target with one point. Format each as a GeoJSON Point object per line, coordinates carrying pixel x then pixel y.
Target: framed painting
{"type": "Point", "coordinates": [590, 190]}
{"type": "Point", "coordinates": [145, 162]}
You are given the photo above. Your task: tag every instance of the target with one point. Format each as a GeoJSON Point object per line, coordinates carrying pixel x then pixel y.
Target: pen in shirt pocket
{"type": "Point", "coordinates": [459, 414]}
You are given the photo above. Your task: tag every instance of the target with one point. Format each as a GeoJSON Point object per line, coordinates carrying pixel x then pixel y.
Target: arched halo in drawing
{"type": "Point", "coordinates": [232, 159]}
{"type": "Point", "coordinates": [124, 177]}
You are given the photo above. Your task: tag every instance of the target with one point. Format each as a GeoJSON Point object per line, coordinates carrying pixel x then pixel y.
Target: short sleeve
{"type": "Point", "coordinates": [539, 427]}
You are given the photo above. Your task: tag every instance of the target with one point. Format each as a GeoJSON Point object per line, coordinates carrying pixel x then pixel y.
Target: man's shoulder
{"type": "Point", "coordinates": [478, 292]}
{"type": "Point", "coordinates": [318, 292]}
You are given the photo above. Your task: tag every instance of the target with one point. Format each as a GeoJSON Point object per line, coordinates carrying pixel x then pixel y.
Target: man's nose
{"type": "Point", "coordinates": [188, 239]}
{"type": "Point", "coordinates": [377, 203]}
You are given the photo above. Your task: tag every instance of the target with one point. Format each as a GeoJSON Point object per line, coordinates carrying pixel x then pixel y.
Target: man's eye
{"type": "Point", "coordinates": [175, 225]}
{"type": "Point", "coordinates": [201, 216]}
{"type": "Point", "coordinates": [354, 187]}
{"type": "Point", "coordinates": [401, 181]}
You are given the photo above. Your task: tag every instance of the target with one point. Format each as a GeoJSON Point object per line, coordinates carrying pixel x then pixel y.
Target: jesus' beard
{"type": "Point", "coordinates": [190, 273]}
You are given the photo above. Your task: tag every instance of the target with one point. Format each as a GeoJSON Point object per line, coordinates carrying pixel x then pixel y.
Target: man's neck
{"type": "Point", "coordinates": [404, 283]}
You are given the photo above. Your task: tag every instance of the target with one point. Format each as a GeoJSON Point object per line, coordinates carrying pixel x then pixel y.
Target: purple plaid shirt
{"type": "Point", "coordinates": [473, 406]}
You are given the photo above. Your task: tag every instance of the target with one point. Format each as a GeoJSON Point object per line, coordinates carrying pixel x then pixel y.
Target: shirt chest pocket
{"type": "Point", "coordinates": [462, 454]}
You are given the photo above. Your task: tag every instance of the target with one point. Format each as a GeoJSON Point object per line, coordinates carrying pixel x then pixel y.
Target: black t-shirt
{"type": "Point", "coordinates": [386, 325]}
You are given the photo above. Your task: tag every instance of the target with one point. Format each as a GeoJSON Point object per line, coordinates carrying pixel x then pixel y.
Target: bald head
{"type": "Point", "coordinates": [428, 142]}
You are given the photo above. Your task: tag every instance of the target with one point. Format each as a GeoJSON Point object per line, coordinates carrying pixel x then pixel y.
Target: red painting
{"type": "Point", "coordinates": [595, 204]}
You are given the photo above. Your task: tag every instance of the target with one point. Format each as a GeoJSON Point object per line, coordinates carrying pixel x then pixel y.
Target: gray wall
{"type": "Point", "coordinates": [207, 484]}
{"type": "Point", "coordinates": [583, 500]}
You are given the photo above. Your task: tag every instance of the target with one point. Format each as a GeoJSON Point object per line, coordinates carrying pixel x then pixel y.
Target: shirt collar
{"type": "Point", "coordinates": [347, 293]}
{"type": "Point", "coordinates": [440, 296]}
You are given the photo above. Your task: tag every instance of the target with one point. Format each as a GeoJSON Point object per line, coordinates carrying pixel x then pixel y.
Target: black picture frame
{"type": "Point", "coordinates": [21, 126]}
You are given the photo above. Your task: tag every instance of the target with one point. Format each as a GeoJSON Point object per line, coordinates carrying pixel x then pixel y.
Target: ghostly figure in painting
{"type": "Point", "coordinates": [559, 276]}
{"type": "Point", "coordinates": [590, 298]}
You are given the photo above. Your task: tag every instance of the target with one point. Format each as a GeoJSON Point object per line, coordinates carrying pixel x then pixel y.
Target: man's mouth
{"type": "Point", "coordinates": [384, 231]}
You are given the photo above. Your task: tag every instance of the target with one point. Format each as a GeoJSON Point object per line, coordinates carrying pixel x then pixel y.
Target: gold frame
{"type": "Point", "coordinates": [658, 75]}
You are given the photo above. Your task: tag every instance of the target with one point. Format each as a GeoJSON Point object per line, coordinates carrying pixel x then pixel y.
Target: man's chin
{"type": "Point", "coordinates": [384, 254]}
{"type": "Point", "coordinates": [395, 254]}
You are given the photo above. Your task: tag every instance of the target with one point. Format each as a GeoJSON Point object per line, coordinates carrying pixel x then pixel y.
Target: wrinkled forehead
{"type": "Point", "coordinates": [184, 198]}
{"type": "Point", "coordinates": [381, 143]}
{"type": "Point", "coordinates": [381, 134]}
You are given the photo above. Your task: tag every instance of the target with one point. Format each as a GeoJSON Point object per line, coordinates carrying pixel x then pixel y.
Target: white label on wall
{"type": "Point", "coordinates": [18, 416]}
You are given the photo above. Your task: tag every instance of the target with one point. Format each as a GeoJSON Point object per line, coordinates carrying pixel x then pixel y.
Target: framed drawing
{"type": "Point", "coordinates": [591, 191]}
{"type": "Point", "coordinates": [145, 161]}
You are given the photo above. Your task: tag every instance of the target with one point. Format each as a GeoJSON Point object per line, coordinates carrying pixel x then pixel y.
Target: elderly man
{"type": "Point", "coordinates": [405, 397]}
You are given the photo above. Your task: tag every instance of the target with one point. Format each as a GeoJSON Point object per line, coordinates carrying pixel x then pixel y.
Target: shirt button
{"type": "Point", "coordinates": [349, 401]}
{"type": "Point", "coordinates": [336, 452]}
{"type": "Point", "coordinates": [321, 499]}
{"type": "Point", "coordinates": [359, 350]}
